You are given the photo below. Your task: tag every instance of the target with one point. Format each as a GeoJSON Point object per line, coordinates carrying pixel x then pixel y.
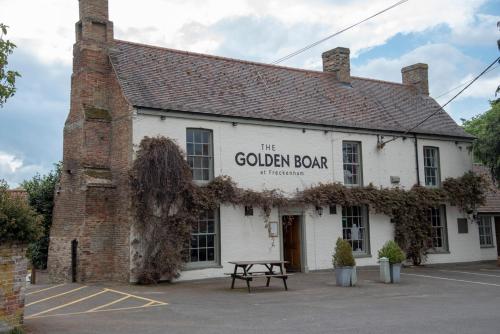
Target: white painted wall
{"type": "Point", "coordinates": [245, 238]}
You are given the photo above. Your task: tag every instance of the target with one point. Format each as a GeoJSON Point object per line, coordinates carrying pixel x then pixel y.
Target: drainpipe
{"type": "Point", "coordinates": [416, 158]}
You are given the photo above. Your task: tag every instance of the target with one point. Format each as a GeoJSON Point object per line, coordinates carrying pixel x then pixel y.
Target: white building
{"type": "Point", "coordinates": [259, 151]}
{"type": "Point", "coordinates": [267, 127]}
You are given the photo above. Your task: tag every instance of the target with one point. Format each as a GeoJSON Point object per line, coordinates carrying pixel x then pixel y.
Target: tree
{"type": "Point", "coordinates": [7, 77]}
{"type": "Point", "coordinates": [40, 191]}
{"type": "Point", "coordinates": [19, 223]}
{"type": "Point", "coordinates": [486, 127]}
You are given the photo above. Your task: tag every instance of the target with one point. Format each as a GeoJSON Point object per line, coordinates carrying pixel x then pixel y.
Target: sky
{"type": "Point", "coordinates": [457, 38]}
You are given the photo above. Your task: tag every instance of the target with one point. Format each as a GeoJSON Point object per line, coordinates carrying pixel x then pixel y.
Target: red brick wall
{"type": "Point", "coordinates": [13, 270]}
{"type": "Point", "coordinates": [92, 202]}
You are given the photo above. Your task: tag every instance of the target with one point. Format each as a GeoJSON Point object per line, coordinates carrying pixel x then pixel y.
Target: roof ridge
{"type": "Point", "coordinates": [382, 81]}
{"type": "Point", "coordinates": [224, 58]}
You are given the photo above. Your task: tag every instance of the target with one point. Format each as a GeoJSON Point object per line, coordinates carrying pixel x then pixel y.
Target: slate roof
{"type": "Point", "coordinates": [159, 78]}
{"type": "Point", "coordinates": [492, 204]}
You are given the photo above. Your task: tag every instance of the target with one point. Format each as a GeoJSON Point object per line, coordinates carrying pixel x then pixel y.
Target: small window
{"type": "Point", "coordinates": [439, 233]}
{"type": "Point", "coordinates": [355, 228]}
{"type": "Point", "coordinates": [204, 244]}
{"type": "Point", "coordinates": [351, 152]}
{"type": "Point", "coordinates": [333, 209]}
{"type": "Point", "coordinates": [199, 148]}
{"type": "Point", "coordinates": [485, 231]}
{"type": "Point", "coordinates": [463, 225]}
{"type": "Point", "coordinates": [431, 166]}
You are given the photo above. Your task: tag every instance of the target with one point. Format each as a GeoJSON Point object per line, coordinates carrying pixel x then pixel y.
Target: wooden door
{"type": "Point", "coordinates": [291, 242]}
{"type": "Point", "coordinates": [497, 232]}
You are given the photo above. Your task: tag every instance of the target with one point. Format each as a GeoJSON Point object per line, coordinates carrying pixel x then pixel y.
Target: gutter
{"type": "Point", "coordinates": [416, 158]}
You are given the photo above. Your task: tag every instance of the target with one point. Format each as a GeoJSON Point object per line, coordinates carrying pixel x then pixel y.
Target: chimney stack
{"type": "Point", "coordinates": [94, 21]}
{"type": "Point", "coordinates": [338, 61]}
{"type": "Point", "coordinates": [417, 75]}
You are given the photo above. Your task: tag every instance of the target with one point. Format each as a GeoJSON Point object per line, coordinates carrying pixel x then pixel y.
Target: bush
{"type": "Point", "coordinates": [41, 191]}
{"type": "Point", "coordinates": [18, 221]}
{"type": "Point", "coordinates": [392, 251]}
{"type": "Point", "coordinates": [17, 330]}
{"type": "Point", "coordinates": [343, 254]}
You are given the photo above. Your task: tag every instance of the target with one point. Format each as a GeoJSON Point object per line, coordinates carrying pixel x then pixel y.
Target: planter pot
{"type": "Point", "coordinates": [354, 276]}
{"type": "Point", "coordinates": [343, 276]}
{"type": "Point", "coordinates": [395, 273]}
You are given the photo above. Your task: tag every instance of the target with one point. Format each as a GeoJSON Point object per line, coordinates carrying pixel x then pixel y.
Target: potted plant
{"type": "Point", "coordinates": [343, 262]}
{"type": "Point", "coordinates": [396, 256]}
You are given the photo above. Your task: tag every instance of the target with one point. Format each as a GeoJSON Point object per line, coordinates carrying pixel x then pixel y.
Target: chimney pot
{"type": "Point", "coordinates": [417, 75]}
{"type": "Point", "coordinates": [94, 22]}
{"type": "Point", "coordinates": [94, 9]}
{"type": "Point", "coordinates": [338, 61]}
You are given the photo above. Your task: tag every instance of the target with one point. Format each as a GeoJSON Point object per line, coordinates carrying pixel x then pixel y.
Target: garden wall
{"type": "Point", "coordinates": [13, 270]}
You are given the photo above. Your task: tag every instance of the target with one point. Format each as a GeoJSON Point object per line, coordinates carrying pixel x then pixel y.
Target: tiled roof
{"type": "Point", "coordinates": [160, 78]}
{"type": "Point", "coordinates": [492, 204]}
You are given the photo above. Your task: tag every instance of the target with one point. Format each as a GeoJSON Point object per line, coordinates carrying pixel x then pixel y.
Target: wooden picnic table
{"type": "Point", "coordinates": [243, 271]}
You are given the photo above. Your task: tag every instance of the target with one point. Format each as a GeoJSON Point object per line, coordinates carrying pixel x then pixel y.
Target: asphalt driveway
{"type": "Point", "coordinates": [438, 299]}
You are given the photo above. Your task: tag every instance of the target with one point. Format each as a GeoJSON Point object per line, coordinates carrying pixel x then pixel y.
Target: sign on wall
{"type": "Point", "coordinates": [270, 162]}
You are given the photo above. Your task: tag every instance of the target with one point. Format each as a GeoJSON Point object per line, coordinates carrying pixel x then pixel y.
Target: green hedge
{"type": "Point", "coordinates": [19, 223]}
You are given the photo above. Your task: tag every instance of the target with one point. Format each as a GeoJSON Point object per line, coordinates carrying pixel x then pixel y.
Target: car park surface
{"type": "Point", "coordinates": [461, 298]}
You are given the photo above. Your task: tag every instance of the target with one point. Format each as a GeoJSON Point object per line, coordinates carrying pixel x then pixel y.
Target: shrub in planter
{"type": "Point", "coordinates": [343, 261]}
{"type": "Point", "coordinates": [396, 256]}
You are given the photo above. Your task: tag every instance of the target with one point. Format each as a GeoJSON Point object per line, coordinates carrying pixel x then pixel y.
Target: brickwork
{"type": "Point", "coordinates": [417, 75]}
{"type": "Point", "coordinates": [92, 202]}
{"type": "Point", "coordinates": [13, 270]}
{"type": "Point", "coordinates": [338, 61]}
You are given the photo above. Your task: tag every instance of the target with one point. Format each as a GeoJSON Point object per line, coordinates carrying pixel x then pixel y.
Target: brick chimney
{"type": "Point", "coordinates": [417, 75]}
{"type": "Point", "coordinates": [339, 62]}
{"type": "Point", "coordinates": [85, 200]}
{"type": "Point", "coordinates": [94, 21]}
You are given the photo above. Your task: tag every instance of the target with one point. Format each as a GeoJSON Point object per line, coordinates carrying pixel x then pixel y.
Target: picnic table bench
{"type": "Point", "coordinates": [243, 271]}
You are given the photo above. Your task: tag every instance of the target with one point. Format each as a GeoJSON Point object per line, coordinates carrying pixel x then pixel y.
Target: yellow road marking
{"type": "Point", "coordinates": [149, 304]}
{"type": "Point", "coordinates": [55, 296]}
{"type": "Point", "coordinates": [138, 297]}
{"type": "Point", "coordinates": [52, 287]}
{"type": "Point", "coordinates": [87, 312]}
{"type": "Point", "coordinates": [68, 304]}
{"type": "Point", "coordinates": [108, 304]}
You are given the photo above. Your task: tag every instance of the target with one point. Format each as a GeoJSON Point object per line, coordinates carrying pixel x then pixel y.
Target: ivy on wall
{"type": "Point", "coordinates": [166, 202]}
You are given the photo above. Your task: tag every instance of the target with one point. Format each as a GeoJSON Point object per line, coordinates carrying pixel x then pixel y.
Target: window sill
{"type": "Point", "coordinates": [487, 246]}
{"type": "Point", "coordinates": [362, 256]}
{"type": "Point", "coordinates": [202, 267]}
{"type": "Point", "coordinates": [438, 252]}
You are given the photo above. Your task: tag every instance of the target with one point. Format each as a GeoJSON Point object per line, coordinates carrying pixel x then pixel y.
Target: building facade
{"type": "Point", "coordinates": [267, 127]}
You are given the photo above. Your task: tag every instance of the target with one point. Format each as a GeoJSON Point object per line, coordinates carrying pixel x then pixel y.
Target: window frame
{"type": "Point", "coordinates": [217, 251]}
{"type": "Point", "coordinates": [480, 222]}
{"type": "Point", "coordinates": [211, 158]}
{"type": "Point", "coordinates": [444, 226]}
{"type": "Point", "coordinates": [365, 216]}
{"type": "Point", "coordinates": [436, 168]}
{"type": "Point", "coordinates": [359, 164]}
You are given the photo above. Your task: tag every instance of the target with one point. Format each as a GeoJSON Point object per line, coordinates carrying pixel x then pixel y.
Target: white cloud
{"type": "Point", "coordinates": [14, 171]}
{"type": "Point", "coordinates": [47, 27]}
{"type": "Point", "coordinates": [9, 163]}
{"type": "Point", "coordinates": [448, 66]}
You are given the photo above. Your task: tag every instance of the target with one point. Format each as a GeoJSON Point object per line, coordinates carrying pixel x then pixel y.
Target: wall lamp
{"type": "Point", "coordinates": [319, 210]}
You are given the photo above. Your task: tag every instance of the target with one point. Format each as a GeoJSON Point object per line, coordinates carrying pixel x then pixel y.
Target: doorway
{"type": "Point", "coordinates": [292, 248]}
{"type": "Point", "coordinates": [497, 232]}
